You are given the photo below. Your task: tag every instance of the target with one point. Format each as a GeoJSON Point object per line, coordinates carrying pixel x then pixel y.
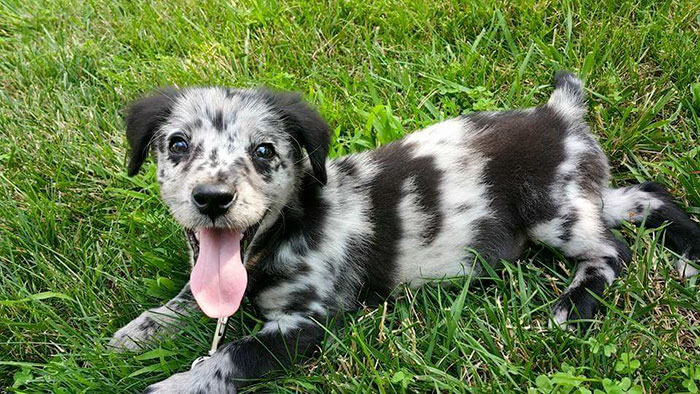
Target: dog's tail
{"type": "Point", "coordinates": [569, 97]}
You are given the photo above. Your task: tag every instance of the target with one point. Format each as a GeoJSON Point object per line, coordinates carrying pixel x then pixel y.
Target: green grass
{"type": "Point", "coordinates": [84, 249]}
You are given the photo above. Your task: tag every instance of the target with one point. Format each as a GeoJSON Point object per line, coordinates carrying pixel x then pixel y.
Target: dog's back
{"type": "Point", "coordinates": [480, 182]}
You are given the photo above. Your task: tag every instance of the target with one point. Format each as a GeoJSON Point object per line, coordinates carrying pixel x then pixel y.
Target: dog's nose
{"type": "Point", "coordinates": [212, 200]}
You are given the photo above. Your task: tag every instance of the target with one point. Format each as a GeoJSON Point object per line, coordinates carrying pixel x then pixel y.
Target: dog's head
{"type": "Point", "coordinates": [226, 158]}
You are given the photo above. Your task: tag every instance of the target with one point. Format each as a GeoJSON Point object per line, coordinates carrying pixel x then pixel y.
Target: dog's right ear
{"type": "Point", "coordinates": [143, 119]}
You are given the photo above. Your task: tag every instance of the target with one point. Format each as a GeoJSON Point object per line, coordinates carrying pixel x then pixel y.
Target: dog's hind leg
{"type": "Point", "coordinates": [582, 235]}
{"type": "Point", "coordinates": [650, 204]}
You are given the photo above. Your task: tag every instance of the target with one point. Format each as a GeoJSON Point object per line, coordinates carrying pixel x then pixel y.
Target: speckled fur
{"type": "Point", "coordinates": [327, 237]}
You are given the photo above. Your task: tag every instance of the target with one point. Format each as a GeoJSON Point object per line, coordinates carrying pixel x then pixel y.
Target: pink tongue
{"type": "Point", "coordinates": [218, 279]}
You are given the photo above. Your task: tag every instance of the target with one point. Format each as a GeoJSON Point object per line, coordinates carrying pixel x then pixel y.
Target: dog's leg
{"type": "Point", "coordinates": [582, 235]}
{"type": "Point", "coordinates": [278, 344]}
{"type": "Point", "coordinates": [154, 322]}
{"type": "Point", "coordinates": [597, 268]}
{"type": "Point", "coordinates": [651, 204]}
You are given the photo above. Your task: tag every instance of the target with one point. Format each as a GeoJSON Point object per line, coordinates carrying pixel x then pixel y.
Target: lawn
{"type": "Point", "coordinates": [84, 248]}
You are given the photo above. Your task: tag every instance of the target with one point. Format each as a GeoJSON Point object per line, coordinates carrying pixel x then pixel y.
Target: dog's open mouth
{"type": "Point", "coordinates": [218, 279]}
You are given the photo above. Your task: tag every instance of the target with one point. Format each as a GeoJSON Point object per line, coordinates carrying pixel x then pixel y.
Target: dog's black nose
{"type": "Point", "coordinates": [212, 200]}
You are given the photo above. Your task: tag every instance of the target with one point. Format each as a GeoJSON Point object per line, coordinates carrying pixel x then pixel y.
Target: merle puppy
{"type": "Point", "coordinates": [248, 167]}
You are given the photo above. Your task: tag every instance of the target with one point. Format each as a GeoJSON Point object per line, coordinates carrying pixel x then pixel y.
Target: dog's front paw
{"type": "Point", "coordinates": [138, 332]}
{"type": "Point", "coordinates": [208, 377]}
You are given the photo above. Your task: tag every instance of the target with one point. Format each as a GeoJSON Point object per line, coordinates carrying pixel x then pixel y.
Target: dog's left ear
{"type": "Point", "coordinates": [306, 126]}
{"type": "Point", "coordinates": [143, 119]}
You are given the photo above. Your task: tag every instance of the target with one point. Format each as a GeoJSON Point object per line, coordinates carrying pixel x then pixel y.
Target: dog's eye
{"type": "Point", "coordinates": [178, 145]}
{"type": "Point", "coordinates": [264, 151]}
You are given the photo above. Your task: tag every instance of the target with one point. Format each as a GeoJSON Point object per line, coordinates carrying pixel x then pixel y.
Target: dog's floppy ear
{"type": "Point", "coordinates": [306, 126]}
{"type": "Point", "coordinates": [143, 119]}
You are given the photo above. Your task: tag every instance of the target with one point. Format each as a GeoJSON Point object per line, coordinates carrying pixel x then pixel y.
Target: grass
{"type": "Point", "coordinates": [84, 248]}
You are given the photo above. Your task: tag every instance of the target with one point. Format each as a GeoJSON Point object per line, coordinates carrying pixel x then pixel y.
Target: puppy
{"type": "Point", "coordinates": [248, 167]}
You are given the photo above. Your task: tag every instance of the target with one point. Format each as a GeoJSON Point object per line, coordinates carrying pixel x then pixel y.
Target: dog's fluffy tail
{"type": "Point", "coordinates": [569, 97]}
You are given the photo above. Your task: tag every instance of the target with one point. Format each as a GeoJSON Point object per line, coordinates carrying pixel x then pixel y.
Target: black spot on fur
{"type": "Point", "coordinates": [570, 220]}
{"type": "Point", "coordinates": [194, 244]}
{"type": "Point", "coordinates": [191, 127]}
{"type": "Point", "coordinates": [240, 166]}
{"type": "Point", "coordinates": [462, 208]}
{"type": "Point", "coordinates": [196, 153]}
{"type": "Point", "coordinates": [185, 295]}
{"type": "Point", "coordinates": [580, 303]}
{"type": "Point", "coordinates": [214, 157]}
{"type": "Point", "coordinates": [256, 356]}
{"type": "Point", "coordinates": [495, 241]}
{"type": "Point", "coordinates": [591, 271]}
{"type": "Point", "coordinates": [218, 120]}
{"type": "Point", "coordinates": [148, 324]}
{"type": "Point", "coordinates": [396, 164]}
{"type": "Point", "coordinates": [312, 222]}
{"type": "Point", "coordinates": [221, 176]}
{"type": "Point", "coordinates": [524, 151]}
{"type": "Point", "coordinates": [624, 255]}
{"type": "Point", "coordinates": [346, 167]}
{"type": "Point", "coordinates": [592, 171]}
{"type": "Point", "coordinates": [427, 182]}
{"type": "Point", "coordinates": [261, 277]}
{"type": "Point", "coordinates": [299, 300]}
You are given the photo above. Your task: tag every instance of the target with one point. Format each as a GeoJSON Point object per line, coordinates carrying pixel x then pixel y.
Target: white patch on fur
{"type": "Point", "coordinates": [622, 203]}
{"type": "Point", "coordinates": [284, 323]}
{"type": "Point", "coordinates": [461, 185]}
{"type": "Point", "coordinates": [549, 232]}
{"type": "Point", "coordinates": [602, 268]}
{"type": "Point", "coordinates": [559, 317]}
{"type": "Point", "coordinates": [587, 232]}
{"type": "Point", "coordinates": [566, 102]}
